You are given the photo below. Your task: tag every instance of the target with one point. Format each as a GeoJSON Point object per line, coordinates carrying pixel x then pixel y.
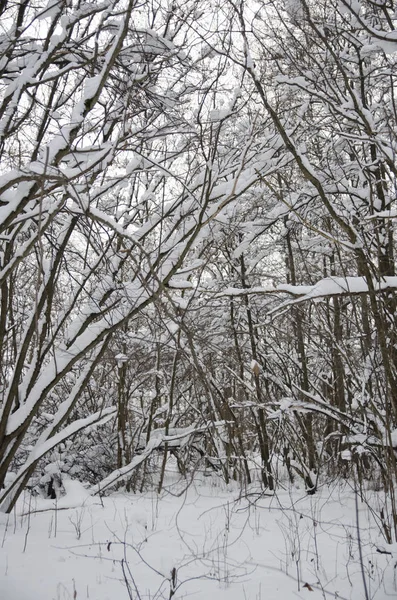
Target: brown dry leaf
{"type": "Point", "coordinates": [309, 587]}
{"type": "Point", "coordinates": [255, 368]}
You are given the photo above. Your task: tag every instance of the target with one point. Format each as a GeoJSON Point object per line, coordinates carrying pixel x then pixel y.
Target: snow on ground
{"type": "Point", "coordinates": [257, 548]}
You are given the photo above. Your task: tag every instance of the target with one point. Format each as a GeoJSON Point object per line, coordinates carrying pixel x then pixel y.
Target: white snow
{"type": "Point", "coordinates": [220, 547]}
{"type": "Point", "coordinates": [180, 284]}
{"type": "Point", "coordinates": [346, 455]}
{"type": "Point", "coordinates": [329, 286]}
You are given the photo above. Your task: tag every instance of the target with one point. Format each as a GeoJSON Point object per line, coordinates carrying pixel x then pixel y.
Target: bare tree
{"type": "Point", "coordinates": [113, 169]}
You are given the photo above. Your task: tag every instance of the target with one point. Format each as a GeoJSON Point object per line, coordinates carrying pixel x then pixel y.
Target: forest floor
{"type": "Point", "coordinates": [203, 543]}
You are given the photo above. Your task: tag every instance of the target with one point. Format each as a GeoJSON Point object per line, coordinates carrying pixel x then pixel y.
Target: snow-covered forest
{"type": "Point", "coordinates": [197, 260]}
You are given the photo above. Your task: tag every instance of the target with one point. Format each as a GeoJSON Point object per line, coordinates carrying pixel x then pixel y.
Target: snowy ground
{"type": "Point", "coordinates": [259, 548]}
